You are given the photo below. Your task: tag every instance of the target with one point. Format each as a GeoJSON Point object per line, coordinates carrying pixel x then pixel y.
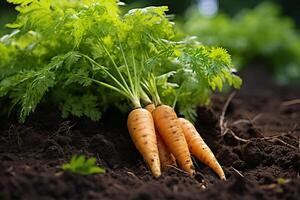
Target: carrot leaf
{"type": "Point", "coordinates": [83, 166]}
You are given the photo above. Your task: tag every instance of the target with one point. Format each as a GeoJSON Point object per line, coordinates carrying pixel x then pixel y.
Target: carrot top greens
{"type": "Point", "coordinates": [74, 53]}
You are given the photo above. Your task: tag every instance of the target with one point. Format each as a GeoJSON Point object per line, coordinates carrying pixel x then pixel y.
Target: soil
{"type": "Point", "coordinates": [260, 152]}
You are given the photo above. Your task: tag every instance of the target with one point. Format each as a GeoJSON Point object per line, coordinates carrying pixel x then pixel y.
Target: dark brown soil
{"type": "Point", "coordinates": [260, 153]}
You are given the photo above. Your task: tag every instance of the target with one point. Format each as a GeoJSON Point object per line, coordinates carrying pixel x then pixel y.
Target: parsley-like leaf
{"type": "Point", "coordinates": [83, 166]}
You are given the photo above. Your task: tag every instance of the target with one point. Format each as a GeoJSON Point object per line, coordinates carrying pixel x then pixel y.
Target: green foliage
{"type": "Point", "coordinates": [213, 65]}
{"type": "Point", "coordinates": [83, 166]}
{"type": "Point", "coordinates": [87, 55]}
{"type": "Point", "coordinates": [197, 71]}
{"type": "Point", "coordinates": [261, 33]}
{"type": "Point", "coordinates": [81, 106]}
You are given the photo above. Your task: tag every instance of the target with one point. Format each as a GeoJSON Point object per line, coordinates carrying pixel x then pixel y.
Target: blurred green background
{"type": "Point", "coordinates": [252, 31]}
{"type": "Point", "coordinates": [289, 7]}
{"type": "Point", "coordinates": [179, 7]}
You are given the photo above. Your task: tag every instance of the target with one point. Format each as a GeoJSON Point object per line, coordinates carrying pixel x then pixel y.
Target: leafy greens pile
{"type": "Point", "coordinates": [68, 53]}
{"type": "Point", "coordinates": [261, 33]}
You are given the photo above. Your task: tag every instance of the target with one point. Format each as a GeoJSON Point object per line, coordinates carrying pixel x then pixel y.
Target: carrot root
{"type": "Point", "coordinates": [199, 149]}
{"type": "Point", "coordinates": [166, 122]}
{"type": "Point", "coordinates": [142, 131]}
{"type": "Point", "coordinates": [165, 157]}
{"type": "Point", "coordinates": [150, 107]}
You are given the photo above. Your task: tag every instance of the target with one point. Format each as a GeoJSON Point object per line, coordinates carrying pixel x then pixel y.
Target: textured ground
{"type": "Point", "coordinates": [260, 152]}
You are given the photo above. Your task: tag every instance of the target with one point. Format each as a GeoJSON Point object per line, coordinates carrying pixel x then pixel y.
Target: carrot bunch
{"type": "Point", "coordinates": [78, 44]}
{"type": "Point", "coordinates": [163, 138]}
{"type": "Point", "coordinates": [131, 65]}
{"type": "Point", "coordinates": [177, 138]}
{"type": "Point", "coordinates": [158, 134]}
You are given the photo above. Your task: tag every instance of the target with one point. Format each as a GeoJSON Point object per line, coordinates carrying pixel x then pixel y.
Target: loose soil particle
{"type": "Point", "coordinates": [31, 154]}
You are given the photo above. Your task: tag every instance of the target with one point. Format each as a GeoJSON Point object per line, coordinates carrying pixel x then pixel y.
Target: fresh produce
{"type": "Point", "coordinates": [141, 128]}
{"type": "Point", "coordinates": [165, 120]}
{"type": "Point", "coordinates": [86, 56]}
{"type": "Point", "coordinates": [165, 157]}
{"type": "Point", "coordinates": [198, 147]}
{"type": "Point", "coordinates": [185, 138]}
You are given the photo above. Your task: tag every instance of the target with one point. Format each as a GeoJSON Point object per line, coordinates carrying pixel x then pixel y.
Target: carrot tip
{"type": "Point", "coordinates": [156, 175]}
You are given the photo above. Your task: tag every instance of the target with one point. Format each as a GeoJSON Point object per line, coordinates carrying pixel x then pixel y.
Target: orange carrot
{"type": "Point", "coordinates": [165, 157]}
{"type": "Point", "coordinates": [150, 107]}
{"type": "Point", "coordinates": [166, 122]}
{"type": "Point", "coordinates": [198, 147]}
{"type": "Point", "coordinates": [142, 131]}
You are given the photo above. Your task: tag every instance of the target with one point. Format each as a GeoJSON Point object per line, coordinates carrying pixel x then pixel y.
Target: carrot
{"type": "Point", "coordinates": [198, 147]}
{"type": "Point", "coordinates": [165, 157]}
{"type": "Point", "coordinates": [166, 122]}
{"type": "Point", "coordinates": [150, 107]}
{"type": "Point", "coordinates": [142, 131]}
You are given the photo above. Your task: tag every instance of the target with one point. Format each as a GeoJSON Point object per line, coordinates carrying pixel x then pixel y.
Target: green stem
{"type": "Point", "coordinates": [105, 70]}
{"type": "Point", "coordinates": [150, 86]}
{"type": "Point", "coordinates": [132, 91]}
{"type": "Point", "coordinates": [136, 82]}
{"type": "Point", "coordinates": [128, 72]}
{"type": "Point", "coordinates": [176, 97]}
{"type": "Point", "coordinates": [154, 89]}
{"type": "Point", "coordinates": [145, 97]}
{"type": "Point", "coordinates": [116, 67]}
{"type": "Point", "coordinates": [111, 87]}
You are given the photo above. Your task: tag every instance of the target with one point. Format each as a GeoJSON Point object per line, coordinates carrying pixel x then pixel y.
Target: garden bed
{"type": "Point", "coordinates": [261, 156]}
